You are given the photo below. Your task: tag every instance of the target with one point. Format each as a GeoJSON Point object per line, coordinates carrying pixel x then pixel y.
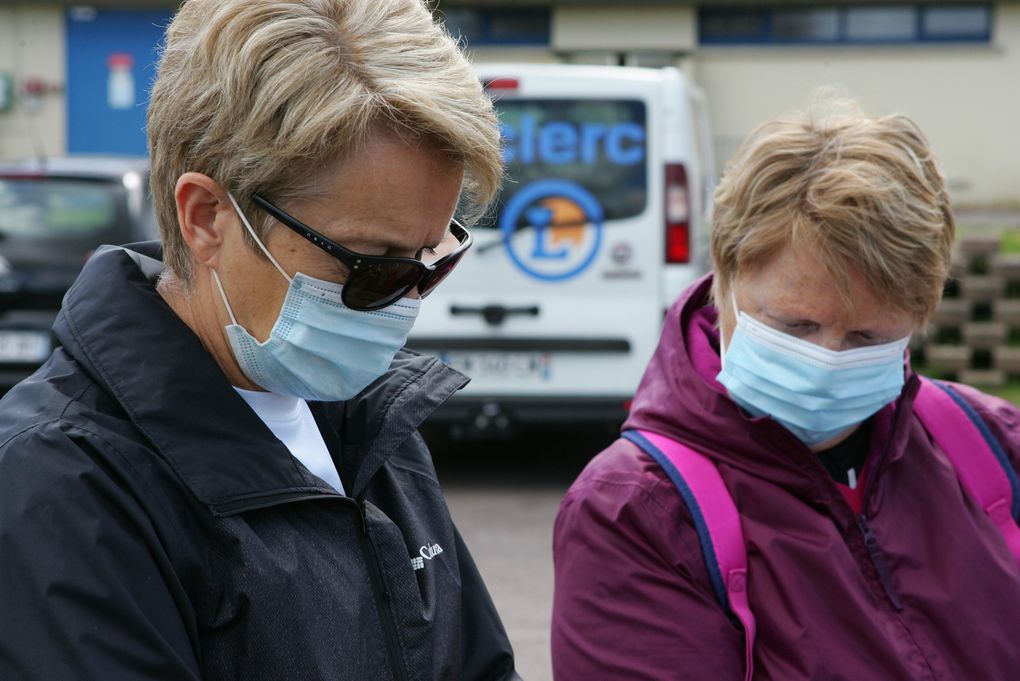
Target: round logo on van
{"type": "Point", "coordinates": [552, 229]}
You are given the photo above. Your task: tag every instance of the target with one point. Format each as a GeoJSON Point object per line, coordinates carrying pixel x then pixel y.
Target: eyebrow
{"type": "Point", "coordinates": [792, 319]}
{"type": "Point", "coordinates": [382, 242]}
{"type": "Point", "coordinates": [390, 246]}
{"type": "Point", "coordinates": [442, 238]}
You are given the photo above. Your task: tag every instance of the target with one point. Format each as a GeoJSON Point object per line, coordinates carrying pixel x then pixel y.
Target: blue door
{"type": "Point", "coordinates": [111, 63]}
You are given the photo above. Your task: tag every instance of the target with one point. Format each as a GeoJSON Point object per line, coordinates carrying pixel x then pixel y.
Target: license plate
{"type": "Point", "coordinates": [507, 365]}
{"type": "Point", "coordinates": [24, 346]}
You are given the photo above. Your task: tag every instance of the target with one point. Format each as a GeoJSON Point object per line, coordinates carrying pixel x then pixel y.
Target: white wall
{"type": "Point", "coordinates": [652, 36]}
{"type": "Point", "coordinates": [511, 54]}
{"type": "Point", "coordinates": [32, 42]}
{"type": "Point", "coordinates": [624, 28]}
{"type": "Point", "coordinates": [966, 98]}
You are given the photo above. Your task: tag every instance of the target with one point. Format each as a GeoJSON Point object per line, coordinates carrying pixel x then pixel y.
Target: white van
{"type": "Point", "coordinates": [600, 224]}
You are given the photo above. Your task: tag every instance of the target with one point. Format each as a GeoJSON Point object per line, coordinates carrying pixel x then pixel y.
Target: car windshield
{"type": "Point", "coordinates": [55, 219]}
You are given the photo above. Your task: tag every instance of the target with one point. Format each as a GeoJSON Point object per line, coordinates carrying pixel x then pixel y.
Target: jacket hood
{"type": "Point", "coordinates": [679, 397]}
{"type": "Point", "coordinates": [115, 324]}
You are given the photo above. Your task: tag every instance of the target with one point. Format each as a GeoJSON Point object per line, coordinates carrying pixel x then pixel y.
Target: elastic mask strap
{"type": "Point", "coordinates": [257, 240]}
{"type": "Point", "coordinates": [223, 294]}
{"type": "Point", "coordinates": [736, 320]}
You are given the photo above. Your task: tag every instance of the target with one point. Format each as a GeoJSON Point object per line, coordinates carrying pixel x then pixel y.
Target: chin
{"type": "Point", "coordinates": [833, 441]}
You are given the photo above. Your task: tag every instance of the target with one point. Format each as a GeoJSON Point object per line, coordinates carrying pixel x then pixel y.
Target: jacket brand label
{"type": "Point", "coordinates": [427, 552]}
{"type": "Point", "coordinates": [430, 551]}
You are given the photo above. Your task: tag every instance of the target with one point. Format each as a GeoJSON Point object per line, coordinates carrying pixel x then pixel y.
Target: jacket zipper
{"type": "Point", "coordinates": [875, 552]}
{"type": "Point", "coordinates": [382, 599]}
{"type": "Point", "coordinates": [381, 593]}
{"type": "Point", "coordinates": [878, 560]}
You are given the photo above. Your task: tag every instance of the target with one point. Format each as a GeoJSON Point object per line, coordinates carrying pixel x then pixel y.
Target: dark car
{"type": "Point", "coordinates": [53, 214]}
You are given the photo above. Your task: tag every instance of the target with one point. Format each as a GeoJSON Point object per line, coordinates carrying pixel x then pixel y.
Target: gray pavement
{"type": "Point", "coordinates": [504, 498]}
{"type": "Point", "coordinates": [510, 533]}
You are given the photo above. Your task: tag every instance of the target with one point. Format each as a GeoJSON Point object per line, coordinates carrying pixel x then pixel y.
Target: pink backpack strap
{"type": "Point", "coordinates": [981, 464]}
{"type": "Point", "coordinates": [717, 522]}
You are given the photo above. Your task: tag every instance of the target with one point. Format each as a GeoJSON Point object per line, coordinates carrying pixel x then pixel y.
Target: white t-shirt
{"type": "Point", "coordinates": [291, 421]}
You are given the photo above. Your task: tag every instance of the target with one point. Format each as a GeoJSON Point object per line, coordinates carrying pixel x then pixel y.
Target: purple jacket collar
{"type": "Point", "coordinates": [680, 397]}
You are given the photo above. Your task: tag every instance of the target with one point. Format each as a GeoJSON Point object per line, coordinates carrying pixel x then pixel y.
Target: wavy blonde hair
{"type": "Point", "coordinates": [261, 95]}
{"type": "Point", "coordinates": [865, 194]}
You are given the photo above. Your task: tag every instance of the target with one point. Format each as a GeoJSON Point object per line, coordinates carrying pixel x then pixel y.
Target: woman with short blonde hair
{"type": "Point", "coordinates": [218, 473]}
{"type": "Point", "coordinates": [788, 499]}
{"type": "Point", "coordinates": [260, 94]}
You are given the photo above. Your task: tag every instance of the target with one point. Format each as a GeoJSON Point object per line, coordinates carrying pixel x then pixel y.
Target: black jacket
{"type": "Point", "coordinates": [151, 526]}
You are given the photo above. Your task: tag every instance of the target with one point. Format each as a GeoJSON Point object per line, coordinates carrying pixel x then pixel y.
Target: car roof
{"type": "Point", "coordinates": [78, 166]}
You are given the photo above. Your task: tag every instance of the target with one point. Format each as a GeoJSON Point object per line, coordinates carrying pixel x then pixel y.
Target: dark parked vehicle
{"type": "Point", "coordinates": [53, 214]}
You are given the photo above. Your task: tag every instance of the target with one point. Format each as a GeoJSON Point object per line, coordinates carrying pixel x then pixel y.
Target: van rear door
{"type": "Point", "coordinates": [558, 307]}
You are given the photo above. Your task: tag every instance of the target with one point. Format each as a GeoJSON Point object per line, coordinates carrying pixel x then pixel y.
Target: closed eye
{"type": "Point", "coordinates": [869, 338]}
{"type": "Point", "coordinates": [798, 327]}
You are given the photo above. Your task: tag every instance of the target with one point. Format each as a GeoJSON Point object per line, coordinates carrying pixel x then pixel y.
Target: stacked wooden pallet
{"type": "Point", "coordinates": [974, 336]}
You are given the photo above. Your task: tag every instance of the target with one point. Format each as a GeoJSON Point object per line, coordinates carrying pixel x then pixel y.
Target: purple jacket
{"type": "Point", "coordinates": [633, 598]}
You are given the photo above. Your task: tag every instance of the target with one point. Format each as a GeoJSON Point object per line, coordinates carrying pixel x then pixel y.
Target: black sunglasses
{"type": "Point", "coordinates": [376, 281]}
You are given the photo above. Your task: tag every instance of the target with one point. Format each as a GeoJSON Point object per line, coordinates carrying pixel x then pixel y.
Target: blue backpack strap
{"type": "Point", "coordinates": [691, 502]}
{"type": "Point", "coordinates": [979, 460]}
{"type": "Point", "coordinates": [717, 523]}
{"type": "Point", "coordinates": [993, 445]}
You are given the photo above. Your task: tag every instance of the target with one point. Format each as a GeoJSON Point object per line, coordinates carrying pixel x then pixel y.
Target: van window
{"type": "Point", "coordinates": [600, 144]}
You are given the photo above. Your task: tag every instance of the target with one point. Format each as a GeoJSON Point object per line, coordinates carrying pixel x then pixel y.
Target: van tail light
{"type": "Point", "coordinates": [503, 84]}
{"type": "Point", "coordinates": [677, 215]}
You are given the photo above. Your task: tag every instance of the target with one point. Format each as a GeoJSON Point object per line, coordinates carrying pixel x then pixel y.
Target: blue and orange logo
{"type": "Point", "coordinates": [552, 229]}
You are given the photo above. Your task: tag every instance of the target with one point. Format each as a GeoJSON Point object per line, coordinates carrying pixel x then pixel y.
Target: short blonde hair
{"type": "Point", "coordinates": [262, 95]}
{"type": "Point", "coordinates": [865, 194]}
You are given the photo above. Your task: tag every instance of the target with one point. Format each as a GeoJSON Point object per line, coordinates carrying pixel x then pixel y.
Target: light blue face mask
{"type": "Point", "coordinates": [815, 393]}
{"type": "Point", "coordinates": [319, 349]}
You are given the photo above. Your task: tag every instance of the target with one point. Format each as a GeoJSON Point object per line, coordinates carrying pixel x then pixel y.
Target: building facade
{"type": "Point", "coordinates": [73, 77]}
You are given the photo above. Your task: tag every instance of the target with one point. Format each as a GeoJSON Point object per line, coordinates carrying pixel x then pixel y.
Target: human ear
{"type": "Point", "coordinates": [199, 201]}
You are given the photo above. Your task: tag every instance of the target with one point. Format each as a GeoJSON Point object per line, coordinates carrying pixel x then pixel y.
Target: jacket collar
{"type": "Point", "coordinates": [119, 328]}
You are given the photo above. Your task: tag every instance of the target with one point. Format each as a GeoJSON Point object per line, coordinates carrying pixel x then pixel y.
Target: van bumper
{"type": "Point", "coordinates": [502, 413]}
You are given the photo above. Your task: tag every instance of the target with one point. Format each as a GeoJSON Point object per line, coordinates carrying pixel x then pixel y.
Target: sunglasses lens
{"type": "Point", "coordinates": [457, 238]}
{"type": "Point", "coordinates": [436, 276]}
{"type": "Point", "coordinates": [375, 285]}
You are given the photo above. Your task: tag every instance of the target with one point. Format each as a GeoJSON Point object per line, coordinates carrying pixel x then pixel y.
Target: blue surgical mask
{"type": "Point", "coordinates": [813, 392]}
{"type": "Point", "coordinates": [319, 349]}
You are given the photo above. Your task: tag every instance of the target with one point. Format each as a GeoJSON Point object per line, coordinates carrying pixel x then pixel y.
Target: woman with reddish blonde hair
{"type": "Point", "coordinates": [789, 500]}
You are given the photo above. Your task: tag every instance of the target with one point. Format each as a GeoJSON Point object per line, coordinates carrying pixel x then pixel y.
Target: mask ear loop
{"type": "Point", "coordinates": [736, 318]}
{"type": "Point", "coordinates": [216, 276]}
{"type": "Point", "coordinates": [257, 240]}
{"type": "Point", "coordinates": [223, 295]}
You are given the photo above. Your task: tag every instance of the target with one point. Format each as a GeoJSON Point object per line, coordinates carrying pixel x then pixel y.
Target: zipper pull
{"type": "Point", "coordinates": [878, 560]}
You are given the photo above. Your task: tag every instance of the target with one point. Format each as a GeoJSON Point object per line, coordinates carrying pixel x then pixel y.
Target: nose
{"type": "Point", "coordinates": [831, 340]}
